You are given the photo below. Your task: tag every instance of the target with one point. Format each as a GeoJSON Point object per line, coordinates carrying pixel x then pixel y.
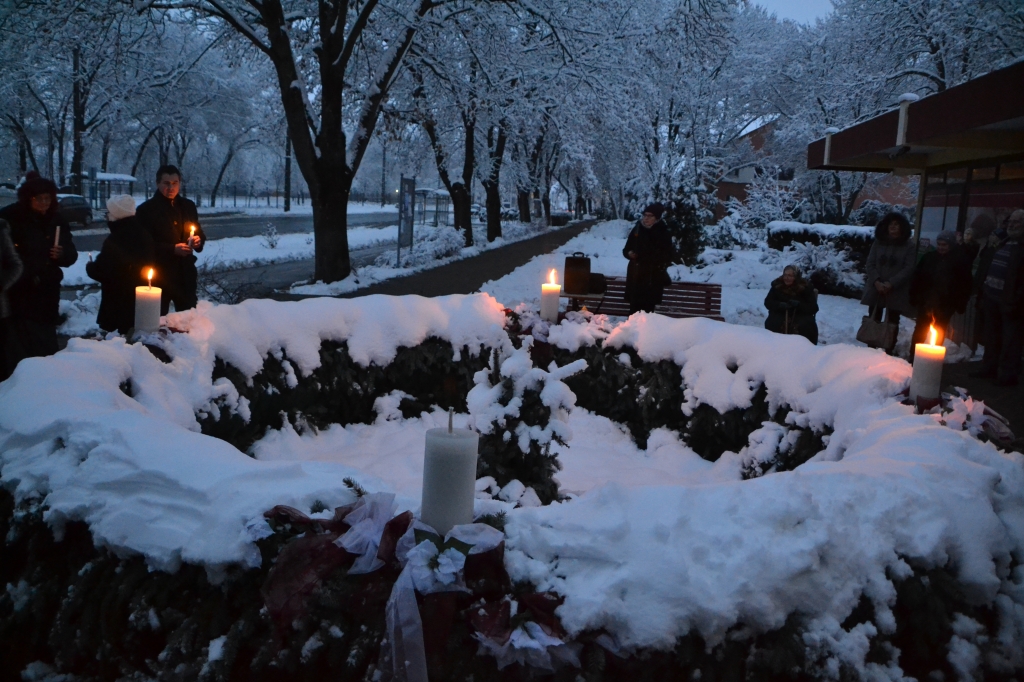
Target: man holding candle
{"type": "Point", "coordinates": [1001, 274]}
{"type": "Point", "coordinates": [120, 264]}
{"type": "Point", "coordinates": [172, 222]}
{"type": "Point", "coordinates": [43, 242]}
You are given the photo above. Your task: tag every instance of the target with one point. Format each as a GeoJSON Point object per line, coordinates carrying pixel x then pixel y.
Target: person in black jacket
{"type": "Point", "coordinates": [1000, 291]}
{"type": "Point", "coordinates": [649, 250]}
{"type": "Point", "coordinates": [940, 287]}
{"type": "Point", "coordinates": [120, 265]}
{"type": "Point", "coordinates": [10, 271]}
{"type": "Point", "coordinates": [43, 242]}
{"type": "Point", "coordinates": [792, 304]}
{"type": "Point", "coordinates": [172, 221]}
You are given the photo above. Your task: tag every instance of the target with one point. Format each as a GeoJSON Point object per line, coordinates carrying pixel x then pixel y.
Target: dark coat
{"type": "Point", "coordinates": [119, 269]}
{"type": "Point", "coordinates": [36, 294]}
{"type": "Point", "coordinates": [10, 269]}
{"type": "Point", "coordinates": [168, 224]}
{"type": "Point", "coordinates": [941, 283]}
{"type": "Point", "coordinates": [892, 261]}
{"type": "Point", "coordinates": [1013, 289]}
{"type": "Point", "coordinates": [792, 310]}
{"type": "Point", "coordinates": [646, 275]}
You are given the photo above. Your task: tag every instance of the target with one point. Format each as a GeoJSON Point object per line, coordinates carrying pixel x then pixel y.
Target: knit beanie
{"type": "Point", "coordinates": [656, 209]}
{"type": "Point", "coordinates": [946, 236]}
{"type": "Point", "coordinates": [120, 206]}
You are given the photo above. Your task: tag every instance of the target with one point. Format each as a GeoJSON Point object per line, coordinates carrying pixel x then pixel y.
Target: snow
{"type": "Point", "coordinates": [821, 229]}
{"type": "Point", "coordinates": [651, 544]}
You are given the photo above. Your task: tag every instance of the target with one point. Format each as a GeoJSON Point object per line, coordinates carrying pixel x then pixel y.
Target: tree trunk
{"type": "Point", "coordinates": [523, 201]}
{"type": "Point", "coordinates": [77, 124]}
{"type": "Point", "coordinates": [383, 171]}
{"type": "Point", "coordinates": [220, 176]}
{"type": "Point", "coordinates": [461, 204]}
{"type": "Point", "coordinates": [330, 227]}
{"type": "Point", "coordinates": [491, 182]}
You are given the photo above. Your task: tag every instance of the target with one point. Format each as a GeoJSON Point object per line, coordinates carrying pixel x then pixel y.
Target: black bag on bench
{"type": "Point", "coordinates": [577, 275]}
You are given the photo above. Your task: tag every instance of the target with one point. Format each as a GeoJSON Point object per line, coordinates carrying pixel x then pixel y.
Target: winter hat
{"type": "Point", "coordinates": [946, 236]}
{"type": "Point", "coordinates": [33, 185]}
{"type": "Point", "coordinates": [120, 206]}
{"type": "Point", "coordinates": [656, 209]}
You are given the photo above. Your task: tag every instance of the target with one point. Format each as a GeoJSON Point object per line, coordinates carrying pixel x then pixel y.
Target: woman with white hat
{"type": "Point", "coordinates": [119, 267]}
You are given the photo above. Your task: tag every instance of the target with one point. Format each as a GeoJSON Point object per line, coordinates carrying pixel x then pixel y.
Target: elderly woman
{"type": "Point", "coordinates": [888, 270]}
{"type": "Point", "coordinates": [649, 251]}
{"type": "Point", "coordinates": [792, 304]}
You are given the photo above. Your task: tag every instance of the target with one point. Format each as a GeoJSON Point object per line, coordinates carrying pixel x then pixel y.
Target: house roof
{"type": "Point", "coordinates": [976, 123]}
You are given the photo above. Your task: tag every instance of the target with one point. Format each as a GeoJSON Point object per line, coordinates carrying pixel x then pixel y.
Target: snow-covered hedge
{"type": "Point", "coordinates": [827, 568]}
{"type": "Point", "coordinates": [783, 233]}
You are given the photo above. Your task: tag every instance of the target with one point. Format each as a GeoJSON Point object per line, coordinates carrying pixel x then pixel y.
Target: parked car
{"type": "Point", "coordinates": [74, 208]}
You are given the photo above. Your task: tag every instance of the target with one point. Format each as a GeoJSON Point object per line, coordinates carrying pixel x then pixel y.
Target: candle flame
{"type": "Point", "coordinates": [192, 231]}
{"type": "Point", "coordinates": [932, 335]}
{"type": "Point", "coordinates": [149, 274]}
{"type": "Point", "coordinates": [552, 277]}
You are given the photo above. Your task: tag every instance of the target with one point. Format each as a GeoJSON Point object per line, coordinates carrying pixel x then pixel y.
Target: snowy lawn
{"type": "Point", "coordinates": [651, 545]}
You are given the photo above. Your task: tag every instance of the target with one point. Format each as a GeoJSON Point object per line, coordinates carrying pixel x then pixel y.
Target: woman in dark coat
{"type": "Point", "coordinates": [792, 304]}
{"type": "Point", "coordinates": [888, 270]}
{"type": "Point", "coordinates": [120, 264]}
{"type": "Point", "coordinates": [10, 271]}
{"type": "Point", "coordinates": [649, 250]}
{"type": "Point", "coordinates": [35, 297]}
{"type": "Point", "coordinates": [941, 287]}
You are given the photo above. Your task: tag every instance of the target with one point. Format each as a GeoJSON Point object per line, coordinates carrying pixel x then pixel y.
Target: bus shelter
{"type": "Point", "coordinates": [966, 145]}
{"type": "Point", "coordinates": [436, 202]}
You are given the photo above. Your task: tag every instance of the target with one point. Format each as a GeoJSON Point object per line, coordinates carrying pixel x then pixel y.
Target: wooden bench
{"type": "Point", "coordinates": [681, 299]}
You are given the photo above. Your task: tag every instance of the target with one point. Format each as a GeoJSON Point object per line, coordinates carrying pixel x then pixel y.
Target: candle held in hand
{"type": "Point", "coordinates": [56, 237]}
{"type": "Point", "coordinates": [449, 477]}
{"type": "Point", "coordinates": [549, 294]}
{"type": "Point", "coordinates": [147, 305]}
{"type": "Point", "coordinates": [926, 380]}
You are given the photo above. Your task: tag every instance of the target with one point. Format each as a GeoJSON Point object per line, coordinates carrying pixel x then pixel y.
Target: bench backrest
{"type": "Point", "coordinates": [681, 299]}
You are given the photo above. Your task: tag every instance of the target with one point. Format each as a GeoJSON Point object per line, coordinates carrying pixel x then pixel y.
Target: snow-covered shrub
{"type": "Point", "coordinates": [437, 244]}
{"type": "Point", "coordinates": [855, 238]}
{"type": "Point", "coordinates": [520, 410]}
{"type": "Point", "coordinates": [731, 232]}
{"type": "Point", "coordinates": [339, 391]}
{"type": "Point", "coordinates": [685, 219]}
{"type": "Point", "coordinates": [872, 211]}
{"type": "Point", "coordinates": [767, 199]}
{"type": "Point", "coordinates": [270, 236]}
{"type": "Point", "coordinates": [832, 271]}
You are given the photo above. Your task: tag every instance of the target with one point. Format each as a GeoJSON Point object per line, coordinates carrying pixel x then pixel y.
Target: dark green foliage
{"type": "Point", "coordinates": [494, 520]}
{"type": "Point", "coordinates": [351, 484]}
{"type": "Point", "coordinates": [341, 391]}
{"type": "Point", "coordinates": [500, 455]}
{"type": "Point", "coordinates": [641, 396]}
{"type": "Point", "coordinates": [710, 433]}
{"type": "Point", "coordinates": [685, 222]}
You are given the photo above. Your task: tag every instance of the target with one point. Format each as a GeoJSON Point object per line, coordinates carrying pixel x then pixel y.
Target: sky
{"type": "Point", "coordinates": [803, 11]}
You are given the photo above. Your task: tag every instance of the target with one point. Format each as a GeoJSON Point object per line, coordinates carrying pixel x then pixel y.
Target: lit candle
{"type": "Point", "coordinates": [449, 477]}
{"type": "Point", "coordinates": [926, 380]}
{"type": "Point", "coordinates": [147, 306]}
{"type": "Point", "coordinates": [549, 298]}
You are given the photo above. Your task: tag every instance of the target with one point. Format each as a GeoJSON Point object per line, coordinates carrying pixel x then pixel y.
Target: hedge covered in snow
{"type": "Point", "coordinates": [725, 500]}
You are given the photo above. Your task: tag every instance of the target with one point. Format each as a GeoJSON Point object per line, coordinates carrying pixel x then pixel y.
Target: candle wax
{"type": "Point", "coordinates": [549, 294]}
{"type": "Point", "coordinates": [449, 478]}
{"type": "Point", "coordinates": [147, 308]}
{"type": "Point", "coordinates": [926, 380]}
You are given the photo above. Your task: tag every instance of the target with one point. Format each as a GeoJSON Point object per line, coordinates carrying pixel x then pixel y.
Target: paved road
{"type": "Point", "coordinates": [237, 225]}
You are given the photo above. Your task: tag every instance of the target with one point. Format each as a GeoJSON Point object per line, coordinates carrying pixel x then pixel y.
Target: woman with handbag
{"type": "Point", "coordinates": [888, 272]}
{"type": "Point", "coordinates": [792, 304]}
{"type": "Point", "coordinates": [649, 250]}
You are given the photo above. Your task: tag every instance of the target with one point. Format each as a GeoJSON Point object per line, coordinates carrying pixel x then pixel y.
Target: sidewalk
{"type": "Point", "coordinates": [469, 274]}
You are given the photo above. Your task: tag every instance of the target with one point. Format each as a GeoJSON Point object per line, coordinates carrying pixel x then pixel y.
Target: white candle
{"type": "Point", "coordinates": [56, 237]}
{"type": "Point", "coordinates": [926, 380]}
{"type": "Point", "coordinates": [449, 478]}
{"type": "Point", "coordinates": [147, 306]}
{"type": "Point", "coordinates": [549, 294]}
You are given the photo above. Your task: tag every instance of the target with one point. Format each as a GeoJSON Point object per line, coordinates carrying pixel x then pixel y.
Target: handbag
{"type": "Point", "coordinates": [875, 334]}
